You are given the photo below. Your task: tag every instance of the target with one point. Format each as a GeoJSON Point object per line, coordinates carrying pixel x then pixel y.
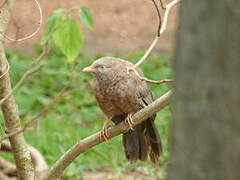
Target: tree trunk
{"type": "Point", "coordinates": [9, 107]}
{"type": "Point", "coordinates": [206, 127]}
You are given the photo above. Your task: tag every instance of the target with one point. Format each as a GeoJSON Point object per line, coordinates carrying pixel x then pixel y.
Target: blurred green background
{"type": "Point", "coordinates": [76, 115]}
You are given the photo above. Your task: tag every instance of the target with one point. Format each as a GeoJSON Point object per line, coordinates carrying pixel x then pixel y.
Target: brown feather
{"type": "Point", "coordinates": [120, 93]}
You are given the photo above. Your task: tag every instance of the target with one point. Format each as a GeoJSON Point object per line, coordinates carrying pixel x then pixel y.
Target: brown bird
{"type": "Point", "coordinates": [120, 93]}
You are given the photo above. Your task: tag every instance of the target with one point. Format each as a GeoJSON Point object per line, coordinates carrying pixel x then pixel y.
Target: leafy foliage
{"type": "Point", "coordinates": [66, 32]}
{"type": "Point", "coordinates": [52, 23]}
{"type": "Point", "coordinates": [68, 37]}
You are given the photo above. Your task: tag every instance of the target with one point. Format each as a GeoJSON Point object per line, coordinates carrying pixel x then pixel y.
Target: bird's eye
{"type": "Point", "coordinates": [101, 67]}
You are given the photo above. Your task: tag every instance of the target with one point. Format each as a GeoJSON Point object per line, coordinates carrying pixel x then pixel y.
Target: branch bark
{"type": "Point", "coordinates": [9, 107]}
{"type": "Point", "coordinates": [87, 143]}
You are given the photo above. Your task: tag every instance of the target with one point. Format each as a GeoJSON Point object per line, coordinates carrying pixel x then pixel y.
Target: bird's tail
{"type": "Point", "coordinates": [138, 142]}
{"type": "Point", "coordinates": [154, 140]}
{"type": "Point", "coordinates": [135, 144]}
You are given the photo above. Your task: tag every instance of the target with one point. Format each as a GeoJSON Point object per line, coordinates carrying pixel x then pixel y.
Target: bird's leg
{"type": "Point", "coordinates": [129, 121]}
{"type": "Point", "coordinates": [104, 131]}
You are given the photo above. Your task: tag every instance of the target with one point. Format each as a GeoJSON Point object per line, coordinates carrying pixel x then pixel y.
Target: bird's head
{"type": "Point", "coordinates": [108, 67]}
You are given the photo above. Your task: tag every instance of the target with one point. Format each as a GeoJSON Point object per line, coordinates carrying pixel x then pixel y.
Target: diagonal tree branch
{"type": "Point", "coordinates": [87, 143]}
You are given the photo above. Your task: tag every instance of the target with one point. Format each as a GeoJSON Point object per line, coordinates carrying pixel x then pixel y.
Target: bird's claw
{"type": "Point", "coordinates": [104, 133]}
{"type": "Point", "coordinates": [129, 121]}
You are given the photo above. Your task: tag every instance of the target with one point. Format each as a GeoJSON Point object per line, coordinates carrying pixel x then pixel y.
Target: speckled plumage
{"type": "Point", "coordinates": [120, 93]}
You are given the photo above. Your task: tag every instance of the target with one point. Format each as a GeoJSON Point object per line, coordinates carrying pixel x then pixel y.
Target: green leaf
{"type": "Point", "coordinates": [68, 37]}
{"type": "Point", "coordinates": [52, 23]}
{"type": "Point", "coordinates": [86, 16]}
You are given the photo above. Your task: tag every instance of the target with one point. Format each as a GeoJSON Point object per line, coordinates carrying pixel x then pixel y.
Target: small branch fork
{"type": "Point", "coordinates": [161, 29]}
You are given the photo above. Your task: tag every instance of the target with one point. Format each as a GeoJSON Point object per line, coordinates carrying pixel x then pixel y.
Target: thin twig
{"type": "Point", "coordinates": [156, 38]}
{"type": "Point", "coordinates": [62, 93]}
{"type": "Point", "coordinates": [151, 81]}
{"type": "Point", "coordinates": [7, 70]}
{"type": "Point", "coordinates": [13, 134]}
{"type": "Point", "coordinates": [34, 33]}
{"type": "Point", "coordinates": [157, 81]}
{"type": "Point", "coordinates": [159, 18]}
{"type": "Point", "coordinates": [38, 115]}
{"type": "Point", "coordinates": [146, 53]}
{"type": "Point", "coordinates": [162, 6]}
{"type": "Point", "coordinates": [33, 68]}
{"type": "Point", "coordinates": [20, 82]}
{"type": "Point", "coordinates": [162, 29]}
{"type": "Point", "coordinates": [49, 106]}
{"type": "Point", "coordinates": [165, 19]}
{"type": "Point", "coordinates": [3, 3]}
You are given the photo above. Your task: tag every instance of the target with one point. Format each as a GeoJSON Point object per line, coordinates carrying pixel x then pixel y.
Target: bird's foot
{"type": "Point", "coordinates": [129, 121]}
{"type": "Point", "coordinates": [104, 132]}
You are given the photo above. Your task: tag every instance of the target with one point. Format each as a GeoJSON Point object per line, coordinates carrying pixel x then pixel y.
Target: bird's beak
{"type": "Point", "coordinates": [90, 69]}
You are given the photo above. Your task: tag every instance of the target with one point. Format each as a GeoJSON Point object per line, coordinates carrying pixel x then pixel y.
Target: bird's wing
{"type": "Point", "coordinates": [100, 98]}
{"type": "Point", "coordinates": [143, 91]}
{"type": "Point", "coordinates": [131, 94]}
{"type": "Point", "coordinates": [144, 94]}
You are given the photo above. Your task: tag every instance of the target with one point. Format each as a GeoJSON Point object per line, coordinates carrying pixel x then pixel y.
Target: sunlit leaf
{"type": "Point", "coordinates": [86, 16]}
{"type": "Point", "coordinates": [68, 37]}
{"type": "Point", "coordinates": [52, 23]}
